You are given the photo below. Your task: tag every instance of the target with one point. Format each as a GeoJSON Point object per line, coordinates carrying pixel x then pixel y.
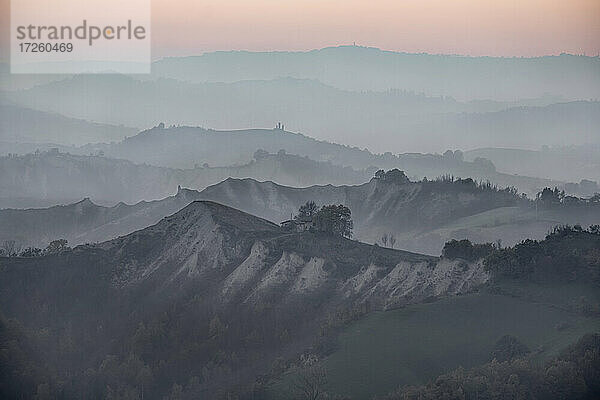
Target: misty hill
{"type": "Point", "coordinates": [187, 147]}
{"type": "Point", "coordinates": [23, 148]}
{"type": "Point", "coordinates": [86, 222]}
{"type": "Point", "coordinates": [570, 163]}
{"type": "Point", "coordinates": [54, 178]}
{"type": "Point", "coordinates": [361, 68]}
{"type": "Point", "coordinates": [207, 283]}
{"type": "Point", "coordinates": [184, 147]}
{"type": "Point", "coordinates": [421, 215]}
{"type": "Point", "coordinates": [384, 203]}
{"type": "Point", "coordinates": [365, 68]}
{"type": "Point", "coordinates": [19, 124]}
{"type": "Point", "coordinates": [560, 124]}
{"type": "Point", "coordinates": [397, 120]}
{"type": "Point", "coordinates": [10, 81]}
{"type": "Point", "coordinates": [49, 178]}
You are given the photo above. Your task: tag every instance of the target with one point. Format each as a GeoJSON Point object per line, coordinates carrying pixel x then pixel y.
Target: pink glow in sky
{"type": "Point", "coordinates": [473, 27]}
{"type": "Point", "coordinates": [470, 27]}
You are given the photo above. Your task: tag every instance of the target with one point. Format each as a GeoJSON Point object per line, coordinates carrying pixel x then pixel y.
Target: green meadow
{"type": "Point", "coordinates": [412, 345]}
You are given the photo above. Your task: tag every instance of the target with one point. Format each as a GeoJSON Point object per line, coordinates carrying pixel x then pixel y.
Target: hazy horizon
{"type": "Point", "coordinates": [465, 27]}
{"type": "Point", "coordinates": [366, 46]}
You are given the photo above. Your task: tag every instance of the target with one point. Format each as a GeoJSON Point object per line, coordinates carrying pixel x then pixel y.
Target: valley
{"type": "Point", "coordinates": [415, 344]}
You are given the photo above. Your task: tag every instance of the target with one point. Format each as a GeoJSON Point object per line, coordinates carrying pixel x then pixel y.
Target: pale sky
{"type": "Point", "coordinates": [468, 27]}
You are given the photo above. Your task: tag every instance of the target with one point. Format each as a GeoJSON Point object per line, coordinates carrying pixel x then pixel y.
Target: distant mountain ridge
{"type": "Point", "coordinates": [583, 161]}
{"type": "Point", "coordinates": [19, 124]}
{"type": "Point", "coordinates": [49, 178]}
{"type": "Point", "coordinates": [180, 146]}
{"type": "Point", "coordinates": [360, 68]}
{"type": "Point", "coordinates": [400, 119]}
{"type": "Point", "coordinates": [368, 68]}
{"type": "Point", "coordinates": [84, 221]}
{"type": "Point", "coordinates": [184, 147]}
{"type": "Point", "coordinates": [421, 215]}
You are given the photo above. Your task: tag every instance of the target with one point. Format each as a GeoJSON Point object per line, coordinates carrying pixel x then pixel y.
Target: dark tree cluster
{"type": "Point", "coordinates": [335, 220]}
{"type": "Point", "coordinates": [464, 249]}
{"type": "Point", "coordinates": [307, 212]}
{"type": "Point", "coordinates": [392, 176]}
{"type": "Point", "coordinates": [568, 252]}
{"type": "Point", "coordinates": [331, 219]}
{"type": "Point", "coordinates": [21, 371]}
{"type": "Point", "coordinates": [10, 248]}
{"type": "Point", "coordinates": [575, 374]}
{"type": "Point", "coordinates": [449, 181]}
{"type": "Point", "coordinates": [550, 197]}
{"type": "Point", "coordinates": [553, 198]}
{"type": "Point", "coordinates": [508, 348]}
{"type": "Point", "coordinates": [184, 352]}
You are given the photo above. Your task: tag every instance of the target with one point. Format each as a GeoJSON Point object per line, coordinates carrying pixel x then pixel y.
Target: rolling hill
{"type": "Point", "coordinates": [414, 345]}
{"type": "Point", "coordinates": [49, 178]}
{"type": "Point", "coordinates": [23, 125]}
{"type": "Point", "coordinates": [583, 162]}
{"type": "Point", "coordinates": [402, 120]}
{"type": "Point", "coordinates": [360, 68]}
{"type": "Point", "coordinates": [209, 281]}
{"type": "Point", "coordinates": [365, 68]}
{"type": "Point", "coordinates": [187, 147]}
{"type": "Point", "coordinates": [421, 215]}
{"type": "Point", "coordinates": [84, 221]}
{"type": "Point", "coordinates": [52, 177]}
{"type": "Point", "coordinates": [230, 304]}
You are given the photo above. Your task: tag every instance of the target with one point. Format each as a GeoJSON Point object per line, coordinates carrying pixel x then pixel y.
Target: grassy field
{"type": "Point", "coordinates": [417, 343]}
{"type": "Point", "coordinates": [513, 215]}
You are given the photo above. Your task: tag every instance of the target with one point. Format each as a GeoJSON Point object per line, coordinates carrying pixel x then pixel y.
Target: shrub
{"type": "Point", "coordinates": [466, 250]}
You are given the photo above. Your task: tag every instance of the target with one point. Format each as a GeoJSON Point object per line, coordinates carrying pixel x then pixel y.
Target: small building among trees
{"type": "Point", "coordinates": [332, 219]}
{"type": "Point", "coordinates": [297, 226]}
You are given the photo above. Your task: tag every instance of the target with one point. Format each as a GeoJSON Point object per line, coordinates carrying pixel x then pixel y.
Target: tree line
{"type": "Point", "coordinates": [567, 252]}
{"type": "Point", "coordinates": [11, 248]}
{"type": "Point", "coordinates": [574, 374]}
